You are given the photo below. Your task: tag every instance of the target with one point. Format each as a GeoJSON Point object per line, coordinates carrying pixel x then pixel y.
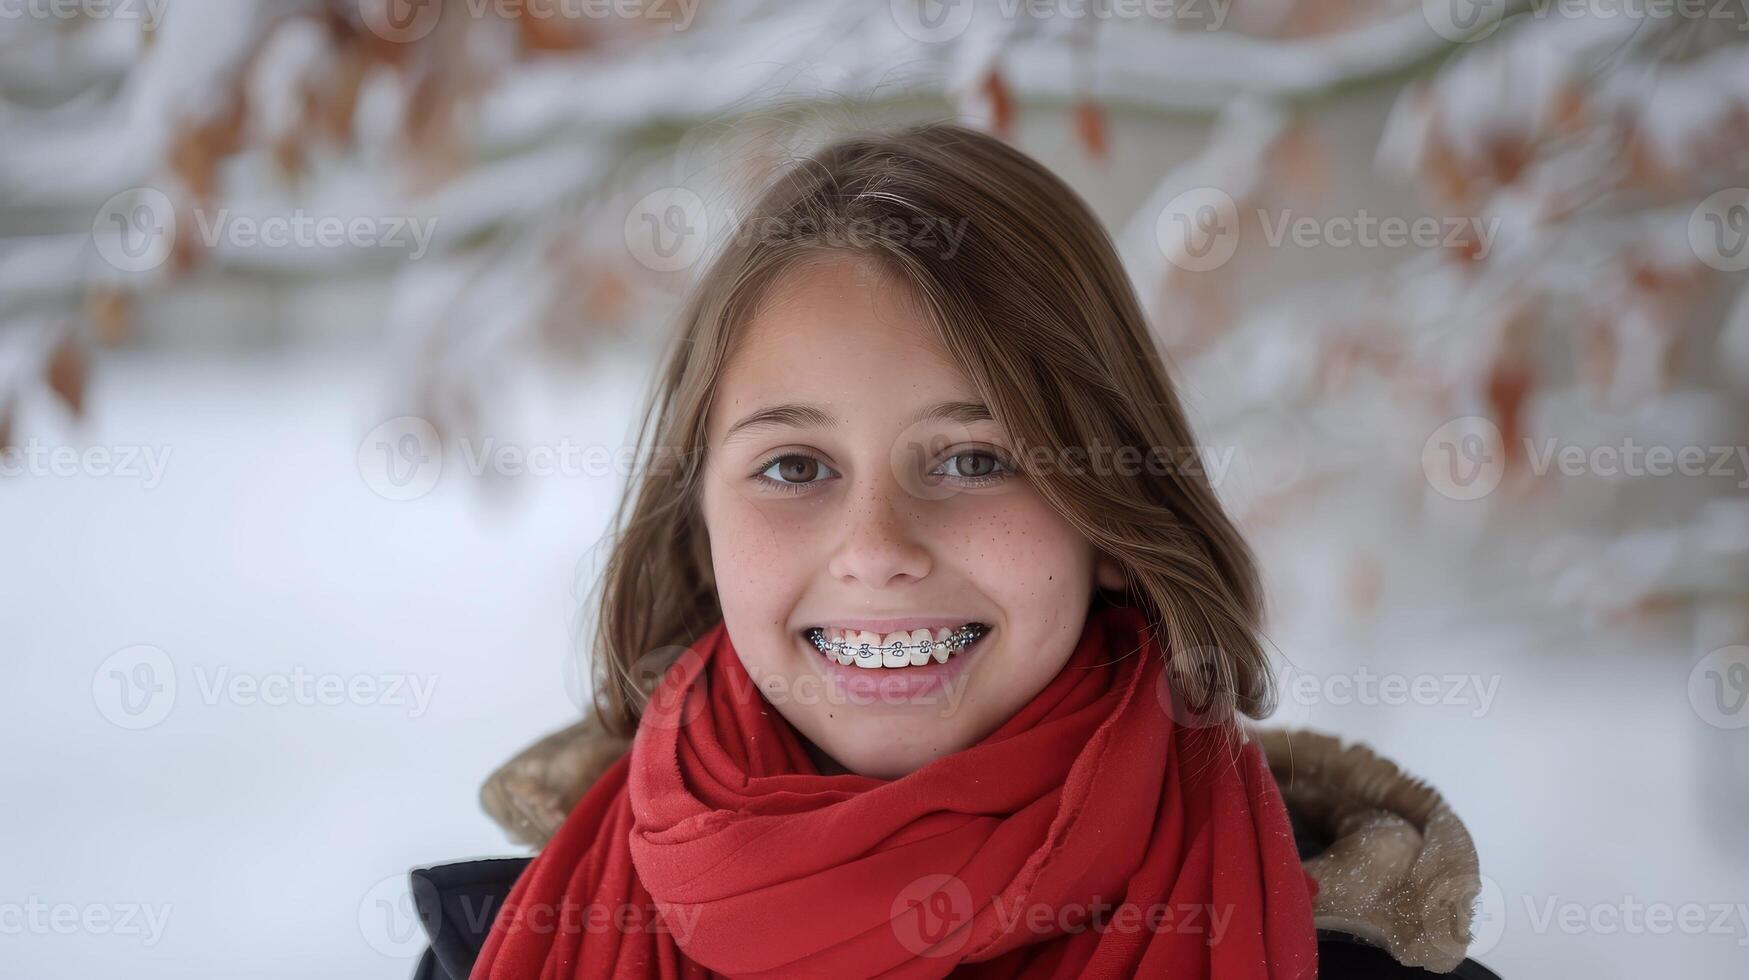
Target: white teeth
{"type": "Point", "coordinates": [913, 648]}
{"type": "Point", "coordinates": [866, 646]}
{"type": "Point", "coordinates": [919, 652]}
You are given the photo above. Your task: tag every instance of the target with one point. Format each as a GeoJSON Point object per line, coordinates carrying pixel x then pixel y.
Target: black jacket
{"type": "Point", "coordinates": [457, 903]}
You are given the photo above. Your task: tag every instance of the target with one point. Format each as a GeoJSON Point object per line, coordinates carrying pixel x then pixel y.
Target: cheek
{"type": "Point", "coordinates": [1024, 555]}
{"type": "Point", "coordinates": [756, 570]}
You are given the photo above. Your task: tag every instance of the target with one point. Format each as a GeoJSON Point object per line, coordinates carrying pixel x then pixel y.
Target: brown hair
{"type": "Point", "coordinates": [1035, 307]}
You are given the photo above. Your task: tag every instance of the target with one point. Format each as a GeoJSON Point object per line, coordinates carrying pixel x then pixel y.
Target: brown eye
{"type": "Point", "coordinates": [981, 464]}
{"type": "Point", "coordinates": [797, 469]}
{"type": "Point", "coordinates": [793, 472]}
{"type": "Point", "coordinates": [977, 467]}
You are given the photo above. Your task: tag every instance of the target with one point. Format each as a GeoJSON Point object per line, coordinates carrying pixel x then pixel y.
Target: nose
{"type": "Point", "coordinates": [880, 547]}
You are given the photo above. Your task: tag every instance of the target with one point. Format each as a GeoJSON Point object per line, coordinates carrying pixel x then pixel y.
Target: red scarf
{"type": "Point", "coordinates": [1088, 836]}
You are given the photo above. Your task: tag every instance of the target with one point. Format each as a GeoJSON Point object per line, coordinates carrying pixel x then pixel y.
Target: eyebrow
{"type": "Point", "coordinates": [806, 415]}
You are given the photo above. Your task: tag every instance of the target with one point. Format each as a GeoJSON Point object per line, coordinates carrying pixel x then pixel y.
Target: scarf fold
{"type": "Point", "coordinates": [1090, 835]}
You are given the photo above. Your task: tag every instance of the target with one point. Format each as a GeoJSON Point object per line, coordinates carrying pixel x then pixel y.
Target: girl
{"type": "Point", "coordinates": [930, 645]}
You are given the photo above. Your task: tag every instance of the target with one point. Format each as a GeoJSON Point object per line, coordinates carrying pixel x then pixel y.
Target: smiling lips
{"type": "Point", "coordinates": [906, 648]}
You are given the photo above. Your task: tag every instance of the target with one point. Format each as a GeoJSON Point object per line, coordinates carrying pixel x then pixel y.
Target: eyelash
{"type": "Point", "coordinates": [1004, 470]}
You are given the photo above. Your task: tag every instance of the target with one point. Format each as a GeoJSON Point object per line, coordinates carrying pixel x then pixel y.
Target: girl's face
{"type": "Point", "coordinates": [854, 486]}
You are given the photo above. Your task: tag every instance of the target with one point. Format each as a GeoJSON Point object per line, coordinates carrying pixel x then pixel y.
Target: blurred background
{"type": "Point", "coordinates": [324, 327]}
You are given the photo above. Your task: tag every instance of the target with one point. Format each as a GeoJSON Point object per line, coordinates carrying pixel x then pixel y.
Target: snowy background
{"type": "Point", "coordinates": [267, 622]}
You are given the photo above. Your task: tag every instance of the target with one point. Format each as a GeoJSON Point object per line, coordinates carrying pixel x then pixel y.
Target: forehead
{"type": "Point", "coordinates": [836, 331]}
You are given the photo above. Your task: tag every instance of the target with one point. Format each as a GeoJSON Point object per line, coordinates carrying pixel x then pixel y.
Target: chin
{"type": "Point", "coordinates": [885, 762]}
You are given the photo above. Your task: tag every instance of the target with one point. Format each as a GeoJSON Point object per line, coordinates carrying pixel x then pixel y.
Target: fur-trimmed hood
{"type": "Point", "coordinates": [1395, 866]}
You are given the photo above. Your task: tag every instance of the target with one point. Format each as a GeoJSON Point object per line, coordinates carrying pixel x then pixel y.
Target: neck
{"type": "Point", "coordinates": [827, 765]}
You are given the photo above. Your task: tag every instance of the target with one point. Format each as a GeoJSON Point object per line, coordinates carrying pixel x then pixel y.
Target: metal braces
{"type": "Point", "coordinates": [958, 640]}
